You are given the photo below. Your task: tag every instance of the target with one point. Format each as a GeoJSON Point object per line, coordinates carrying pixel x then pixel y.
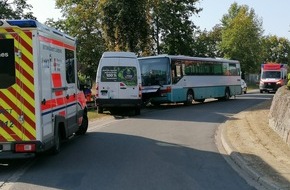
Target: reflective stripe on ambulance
{"type": "Point", "coordinates": [17, 107]}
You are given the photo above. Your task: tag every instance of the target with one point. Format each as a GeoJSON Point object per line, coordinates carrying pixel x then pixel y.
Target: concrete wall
{"type": "Point", "coordinates": [279, 115]}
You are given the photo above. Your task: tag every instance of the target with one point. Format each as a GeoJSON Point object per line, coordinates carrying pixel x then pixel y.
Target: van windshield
{"type": "Point", "coordinates": [127, 75]}
{"type": "Point", "coordinates": [271, 74]}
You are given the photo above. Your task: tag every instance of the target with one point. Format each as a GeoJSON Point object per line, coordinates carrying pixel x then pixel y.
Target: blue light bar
{"type": "Point", "coordinates": [23, 23]}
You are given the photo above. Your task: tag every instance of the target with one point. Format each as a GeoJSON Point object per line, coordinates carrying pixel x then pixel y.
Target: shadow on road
{"type": "Point", "coordinates": [109, 161]}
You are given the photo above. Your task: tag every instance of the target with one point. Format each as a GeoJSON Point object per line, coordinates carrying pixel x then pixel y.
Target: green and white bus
{"type": "Point", "coordinates": [182, 79]}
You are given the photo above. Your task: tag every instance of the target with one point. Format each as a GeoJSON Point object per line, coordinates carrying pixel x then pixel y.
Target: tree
{"type": "Point", "coordinates": [82, 21]}
{"type": "Point", "coordinates": [124, 24]}
{"type": "Point", "coordinates": [207, 43]}
{"type": "Point", "coordinates": [276, 49]}
{"type": "Point", "coordinates": [171, 25]}
{"type": "Point", "coordinates": [15, 9]}
{"type": "Point", "coordinates": [241, 37]}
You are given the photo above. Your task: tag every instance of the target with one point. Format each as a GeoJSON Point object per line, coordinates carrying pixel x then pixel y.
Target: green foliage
{"type": "Point", "coordinates": [288, 83]}
{"type": "Point", "coordinates": [207, 43]}
{"type": "Point", "coordinates": [241, 37]}
{"type": "Point", "coordinates": [15, 9]}
{"type": "Point", "coordinates": [171, 25]}
{"type": "Point", "coordinates": [276, 49]}
{"type": "Point", "coordinates": [124, 24]}
{"type": "Point", "coordinates": [82, 21]}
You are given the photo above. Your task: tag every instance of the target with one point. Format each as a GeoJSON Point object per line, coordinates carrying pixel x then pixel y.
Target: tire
{"type": "Point", "coordinates": [189, 98]}
{"type": "Point", "coordinates": [137, 111]}
{"type": "Point", "coordinates": [100, 109]}
{"type": "Point", "coordinates": [227, 94]}
{"type": "Point", "coordinates": [84, 126]}
{"type": "Point", "coordinates": [57, 142]}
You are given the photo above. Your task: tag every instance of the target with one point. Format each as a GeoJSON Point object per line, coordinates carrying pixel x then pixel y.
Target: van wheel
{"type": "Point", "coordinates": [57, 142]}
{"type": "Point", "coordinates": [189, 98]}
{"type": "Point", "coordinates": [84, 127]}
{"type": "Point", "coordinates": [137, 111]}
{"type": "Point", "coordinates": [100, 109]}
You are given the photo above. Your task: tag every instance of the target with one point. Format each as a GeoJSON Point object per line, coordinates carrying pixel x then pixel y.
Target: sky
{"type": "Point", "coordinates": [274, 14]}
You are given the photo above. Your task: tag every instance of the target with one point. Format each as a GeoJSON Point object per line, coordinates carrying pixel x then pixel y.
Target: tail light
{"type": "Point", "coordinates": [25, 147]}
{"type": "Point", "coordinates": [97, 90]}
{"type": "Point", "coordinates": [140, 91]}
{"type": "Point", "coordinates": [164, 92]}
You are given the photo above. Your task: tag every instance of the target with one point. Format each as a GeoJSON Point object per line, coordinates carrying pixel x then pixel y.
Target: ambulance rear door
{"type": "Point", "coordinates": [17, 104]}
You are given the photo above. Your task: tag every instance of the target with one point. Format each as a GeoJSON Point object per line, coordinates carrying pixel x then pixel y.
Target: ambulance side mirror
{"type": "Point", "coordinates": [87, 84]}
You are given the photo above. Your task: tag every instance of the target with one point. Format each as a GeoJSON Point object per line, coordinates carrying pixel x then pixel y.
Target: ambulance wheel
{"type": "Point", "coordinates": [57, 142]}
{"type": "Point", "coordinates": [84, 127]}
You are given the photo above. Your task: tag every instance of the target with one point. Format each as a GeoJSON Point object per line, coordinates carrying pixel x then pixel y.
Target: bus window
{"type": "Point", "coordinates": [233, 70]}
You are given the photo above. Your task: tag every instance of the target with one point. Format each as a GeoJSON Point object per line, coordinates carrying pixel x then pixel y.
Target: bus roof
{"type": "Point", "coordinates": [183, 57]}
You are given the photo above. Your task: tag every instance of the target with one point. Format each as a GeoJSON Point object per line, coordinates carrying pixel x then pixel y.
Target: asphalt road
{"type": "Point", "coordinates": [169, 147]}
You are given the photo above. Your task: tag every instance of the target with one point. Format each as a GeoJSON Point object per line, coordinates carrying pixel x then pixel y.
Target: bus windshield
{"type": "Point", "coordinates": [155, 71]}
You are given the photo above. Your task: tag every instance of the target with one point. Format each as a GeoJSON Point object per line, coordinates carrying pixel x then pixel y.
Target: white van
{"type": "Point", "coordinates": [118, 82]}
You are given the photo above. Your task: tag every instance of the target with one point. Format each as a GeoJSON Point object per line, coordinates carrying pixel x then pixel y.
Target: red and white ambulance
{"type": "Point", "coordinates": [40, 101]}
{"type": "Point", "coordinates": [273, 76]}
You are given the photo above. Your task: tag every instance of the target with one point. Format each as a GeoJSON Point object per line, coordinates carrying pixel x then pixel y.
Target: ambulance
{"type": "Point", "coordinates": [273, 76]}
{"type": "Point", "coordinates": [40, 101]}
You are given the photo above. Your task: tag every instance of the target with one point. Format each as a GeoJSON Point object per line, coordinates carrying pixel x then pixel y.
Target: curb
{"type": "Point", "coordinates": [238, 160]}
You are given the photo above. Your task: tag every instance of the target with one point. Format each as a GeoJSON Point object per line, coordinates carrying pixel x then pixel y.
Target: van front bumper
{"type": "Point", "coordinates": [269, 86]}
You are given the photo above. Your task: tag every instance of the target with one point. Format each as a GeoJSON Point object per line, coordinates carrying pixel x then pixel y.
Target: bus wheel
{"type": "Point", "coordinates": [137, 111]}
{"type": "Point", "coordinates": [189, 98]}
{"type": "Point", "coordinates": [227, 94]}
